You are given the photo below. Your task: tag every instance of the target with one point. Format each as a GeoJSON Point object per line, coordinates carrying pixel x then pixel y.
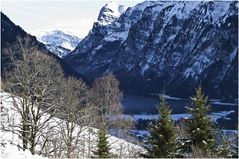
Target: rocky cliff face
{"type": "Point", "coordinates": [170, 46]}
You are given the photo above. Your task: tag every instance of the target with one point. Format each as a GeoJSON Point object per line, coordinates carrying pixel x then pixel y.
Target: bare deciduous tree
{"type": "Point", "coordinates": [53, 111]}
{"type": "Point", "coordinates": [106, 97]}
{"type": "Point", "coordinates": [33, 85]}
{"type": "Point", "coordinates": [74, 112]}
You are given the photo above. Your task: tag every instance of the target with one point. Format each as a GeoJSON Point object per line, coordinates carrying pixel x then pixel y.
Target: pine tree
{"type": "Point", "coordinates": [227, 146]}
{"type": "Point", "coordinates": [102, 146]}
{"type": "Point", "coordinates": [161, 142]}
{"type": "Point", "coordinates": [224, 149]}
{"type": "Point", "coordinates": [200, 125]}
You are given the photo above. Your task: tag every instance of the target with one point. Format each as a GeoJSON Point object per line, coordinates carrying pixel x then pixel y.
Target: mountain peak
{"type": "Point", "coordinates": [110, 12]}
{"type": "Point", "coordinates": [58, 42]}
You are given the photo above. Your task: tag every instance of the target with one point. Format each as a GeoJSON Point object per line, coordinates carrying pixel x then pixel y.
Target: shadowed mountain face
{"type": "Point", "coordinates": [9, 34]}
{"type": "Point", "coordinates": [170, 46]}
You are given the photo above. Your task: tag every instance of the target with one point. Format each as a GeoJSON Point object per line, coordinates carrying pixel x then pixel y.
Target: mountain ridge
{"type": "Point", "coordinates": [166, 46]}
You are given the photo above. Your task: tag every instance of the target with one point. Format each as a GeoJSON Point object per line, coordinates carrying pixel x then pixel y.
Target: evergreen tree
{"type": "Point", "coordinates": [102, 146]}
{"type": "Point", "coordinates": [200, 125]}
{"type": "Point", "coordinates": [224, 149]}
{"type": "Point", "coordinates": [161, 142]}
{"type": "Point", "coordinates": [227, 146]}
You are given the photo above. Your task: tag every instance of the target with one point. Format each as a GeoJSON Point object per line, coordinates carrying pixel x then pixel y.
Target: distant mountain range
{"type": "Point", "coordinates": [58, 42]}
{"type": "Point", "coordinates": [170, 46]}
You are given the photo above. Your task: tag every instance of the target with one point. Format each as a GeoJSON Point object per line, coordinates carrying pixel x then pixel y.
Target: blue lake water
{"type": "Point", "coordinates": [146, 104]}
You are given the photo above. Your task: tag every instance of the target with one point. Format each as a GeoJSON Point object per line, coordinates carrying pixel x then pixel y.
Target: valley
{"type": "Point", "coordinates": [141, 79]}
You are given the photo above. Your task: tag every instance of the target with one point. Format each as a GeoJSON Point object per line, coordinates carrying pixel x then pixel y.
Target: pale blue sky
{"type": "Point", "coordinates": [76, 16]}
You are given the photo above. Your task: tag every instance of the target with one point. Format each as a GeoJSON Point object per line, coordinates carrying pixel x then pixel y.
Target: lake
{"type": "Point", "coordinates": [145, 104]}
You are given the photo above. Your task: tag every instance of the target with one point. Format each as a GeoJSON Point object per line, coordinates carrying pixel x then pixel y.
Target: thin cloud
{"type": "Point", "coordinates": [24, 13]}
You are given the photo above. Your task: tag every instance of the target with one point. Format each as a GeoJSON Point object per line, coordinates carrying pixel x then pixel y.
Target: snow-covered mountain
{"type": "Point", "coordinates": [164, 45]}
{"type": "Point", "coordinates": [58, 42]}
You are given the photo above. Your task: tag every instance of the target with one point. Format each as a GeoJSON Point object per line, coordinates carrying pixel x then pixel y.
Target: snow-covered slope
{"type": "Point", "coordinates": [58, 42]}
{"type": "Point", "coordinates": [165, 45]}
{"type": "Point", "coordinates": [9, 151]}
{"type": "Point", "coordinates": [88, 136]}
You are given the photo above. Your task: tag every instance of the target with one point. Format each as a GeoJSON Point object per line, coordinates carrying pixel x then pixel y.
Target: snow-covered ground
{"type": "Point", "coordinates": [9, 151]}
{"type": "Point", "coordinates": [212, 101]}
{"type": "Point", "coordinates": [136, 117]}
{"type": "Point", "coordinates": [221, 115]}
{"type": "Point", "coordinates": [176, 117]}
{"type": "Point", "coordinates": [165, 96]}
{"type": "Point", "coordinates": [223, 103]}
{"type": "Point", "coordinates": [9, 141]}
{"type": "Point", "coordinates": [231, 134]}
{"type": "Point", "coordinates": [88, 137]}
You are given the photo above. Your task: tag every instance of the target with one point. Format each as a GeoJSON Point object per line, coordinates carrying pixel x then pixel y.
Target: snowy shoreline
{"type": "Point", "coordinates": [212, 101]}
{"type": "Point", "coordinates": [175, 117]}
